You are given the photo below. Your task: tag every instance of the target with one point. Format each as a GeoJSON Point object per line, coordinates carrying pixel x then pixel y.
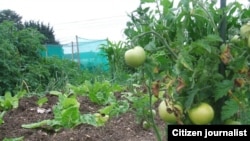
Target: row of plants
{"type": "Point", "coordinates": [112, 99]}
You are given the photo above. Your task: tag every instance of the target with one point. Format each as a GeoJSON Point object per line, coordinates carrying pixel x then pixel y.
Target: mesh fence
{"type": "Point", "coordinates": [84, 51]}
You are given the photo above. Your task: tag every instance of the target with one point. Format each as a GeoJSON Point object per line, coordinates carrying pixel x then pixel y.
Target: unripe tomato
{"type": "Point", "coordinates": [235, 39]}
{"type": "Point", "coordinates": [169, 116]}
{"type": "Point", "coordinates": [135, 57]}
{"type": "Point", "coordinates": [201, 114]}
{"type": "Point", "coordinates": [245, 31]}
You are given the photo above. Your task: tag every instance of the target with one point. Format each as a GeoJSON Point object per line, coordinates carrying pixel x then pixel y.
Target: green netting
{"type": "Point", "coordinates": [53, 50]}
{"type": "Point", "coordinates": [84, 51]}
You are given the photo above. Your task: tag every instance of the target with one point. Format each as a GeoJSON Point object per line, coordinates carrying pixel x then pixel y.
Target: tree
{"type": "Point", "coordinates": [9, 15]}
{"type": "Point", "coordinates": [46, 30]}
{"type": "Point", "coordinates": [20, 57]}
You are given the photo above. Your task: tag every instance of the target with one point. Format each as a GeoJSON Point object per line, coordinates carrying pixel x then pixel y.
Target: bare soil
{"type": "Point", "coordinates": [121, 128]}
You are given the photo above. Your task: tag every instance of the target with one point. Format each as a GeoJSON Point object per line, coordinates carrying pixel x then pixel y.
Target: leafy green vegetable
{"type": "Point", "coordinates": [67, 115]}
{"type": "Point", "coordinates": [8, 101]}
{"type": "Point", "coordinates": [1, 117]}
{"type": "Point", "coordinates": [41, 101]}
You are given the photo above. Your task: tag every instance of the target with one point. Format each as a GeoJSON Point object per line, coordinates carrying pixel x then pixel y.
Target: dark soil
{"type": "Point", "coordinates": [122, 128]}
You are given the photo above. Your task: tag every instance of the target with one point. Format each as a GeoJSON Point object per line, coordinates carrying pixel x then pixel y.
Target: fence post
{"type": "Point", "coordinates": [77, 47]}
{"type": "Point", "coordinates": [72, 50]}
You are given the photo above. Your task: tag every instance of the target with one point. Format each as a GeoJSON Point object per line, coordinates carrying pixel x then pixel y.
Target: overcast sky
{"type": "Point", "coordinates": [91, 19]}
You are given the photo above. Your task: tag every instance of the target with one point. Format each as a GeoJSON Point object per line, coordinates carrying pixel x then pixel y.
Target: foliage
{"type": "Point", "coordinates": [103, 93]}
{"type": "Point", "coordinates": [1, 117]}
{"type": "Point", "coordinates": [14, 139]}
{"type": "Point", "coordinates": [66, 111]}
{"type": "Point", "coordinates": [46, 30]}
{"type": "Point", "coordinates": [19, 48]}
{"type": "Point", "coordinates": [9, 15]}
{"type": "Point", "coordinates": [41, 101]}
{"type": "Point", "coordinates": [66, 115]}
{"type": "Point", "coordinates": [99, 92]}
{"type": "Point", "coordinates": [114, 51]}
{"type": "Point", "coordinates": [22, 66]}
{"type": "Point", "coordinates": [8, 102]}
{"type": "Point", "coordinates": [192, 51]}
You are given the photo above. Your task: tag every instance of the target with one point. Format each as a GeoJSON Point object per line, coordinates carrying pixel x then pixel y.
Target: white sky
{"type": "Point", "coordinates": [91, 19]}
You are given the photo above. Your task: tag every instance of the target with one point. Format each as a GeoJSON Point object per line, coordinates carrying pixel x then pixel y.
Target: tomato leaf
{"type": "Point", "coordinates": [167, 5]}
{"type": "Point", "coordinates": [150, 46]}
{"type": "Point", "coordinates": [186, 60]}
{"type": "Point", "coordinates": [222, 89]}
{"type": "Point", "coordinates": [190, 98]}
{"type": "Point", "coordinates": [229, 109]}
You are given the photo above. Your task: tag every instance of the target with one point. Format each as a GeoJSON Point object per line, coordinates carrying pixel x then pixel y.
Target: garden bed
{"type": "Point", "coordinates": [121, 128]}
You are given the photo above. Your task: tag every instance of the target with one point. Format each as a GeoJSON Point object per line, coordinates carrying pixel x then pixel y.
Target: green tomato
{"type": "Point", "coordinates": [201, 114]}
{"type": "Point", "coordinates": [235, 39]}
{"type": "Point", "coordinates": [135, 57]}
{"type": "Point", "coordinates": [245, 30]}
{"type": "Point", "coordinates": [146, 125]}
{"type": "Point", "coordinates": [166, 115]}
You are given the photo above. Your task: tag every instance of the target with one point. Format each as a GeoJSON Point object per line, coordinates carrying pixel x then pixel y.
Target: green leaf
{"type": "Point", "coordinates": [56, 93]}
{"type": "Point", "coordinates": [41, 101]}
{"type": "Point", "coordinates": [68, 102]}
{"type": "Point", "coordinates": [167, 5]}
{"type": "Point", "coordinates": [70, 117]}
{"type": "Point", "coordinates": [147, 1]}
{"type": "Point", "coordinates": [213, 38]}
{"type": "Point", "coordinates": [37, 124]}
{"type": "Point", "coordinates": [230, 108]}
{"type": "Point", "coordinates": [1, 117]}
{"type": "Point", "coordinates": [222, 89]}
{"type": "Point", "coordinates": [106, 110]}
{"type": "Point", "coordinates": [90, 119]}
{"type": "Point", "coordinates": [186, 60]}
{"type": "Point", "coordinates": [115, 108]}
{"type": "Point", "coordinates": [20, 94]}
{"type": "Point", "coordinates": [190, 98]}
{"type": "Point", "coordinates": [14, 139]}
{"type": "Point", "coordinates": [8, 101]}
{"type": "Point", "coordinates": [150, 46]}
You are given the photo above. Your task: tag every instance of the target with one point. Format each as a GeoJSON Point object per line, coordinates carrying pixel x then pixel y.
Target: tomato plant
{"type": "Point", "coordinates": [201, 54]}
{"type": "Point", "coordinates": [195, 62]}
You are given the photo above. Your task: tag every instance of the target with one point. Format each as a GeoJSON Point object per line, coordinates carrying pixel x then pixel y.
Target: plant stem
{"type": "Point", "coordinates": [158, 136]}
{"type": "Point", "coordinates": [161, 39]}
